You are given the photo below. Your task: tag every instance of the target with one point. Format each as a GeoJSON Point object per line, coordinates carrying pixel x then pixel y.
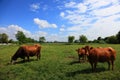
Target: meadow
{"type": "Point", "coordinates": [58, 62]}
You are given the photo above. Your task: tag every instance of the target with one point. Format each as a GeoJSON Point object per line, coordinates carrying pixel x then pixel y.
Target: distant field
{"type": "Point", "coordinates": [58, 62]}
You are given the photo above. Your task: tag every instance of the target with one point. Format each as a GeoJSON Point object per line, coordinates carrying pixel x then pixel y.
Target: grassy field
{"type": "Point", "coordinates": [58, 62]}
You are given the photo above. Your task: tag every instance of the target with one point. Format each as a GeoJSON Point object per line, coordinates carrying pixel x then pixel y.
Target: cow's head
{"type": "Point", "coordinates": [81, 51]}
{"type": "Point", "coordinates": [87, 50]}
{"type": "Point", "coordinates": [13, 59]}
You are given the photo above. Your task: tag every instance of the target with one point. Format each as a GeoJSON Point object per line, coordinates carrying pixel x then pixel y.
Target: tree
{"type": "Point", "coordinates": [83, 39]}
{"type": "Point", "coordinates": [42, 39]}
{"type": "Point", "coordinates": [3, 38]}
{"type": "Point", "coordinates": [11, 41]}
{"type": "Point", "coordinates": [76, 41]}
{"type": "Point", "coordinates": [71, 39]}
{"type": "Point", "coordinates": [99, 38]}
{"type": "Point", "coordinates": [20, 36]}
{"type": "Point", "coordinates": [30, 40]}
{"type": "Point", "coordinates": [118, 36]}
{"type": "Point", "coordinates": [112, 40]}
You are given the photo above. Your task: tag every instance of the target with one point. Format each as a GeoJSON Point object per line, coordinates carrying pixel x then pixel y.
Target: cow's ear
{"type": "Point", "coordinates": [83, 48]}
{"type": "Point", "coordinates": [91, 48]}
{"type": "Point", "coordinates": [76, 50]}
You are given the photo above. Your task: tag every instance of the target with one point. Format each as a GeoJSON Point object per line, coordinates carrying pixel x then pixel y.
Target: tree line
{"type": "Point", "coordinates": [114, 39]}
{"type": "Point", "coordinates": [21, 38]}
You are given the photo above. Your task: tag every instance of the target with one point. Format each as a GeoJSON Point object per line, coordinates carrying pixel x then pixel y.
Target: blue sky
{"type": "Point", "coordinates": [58, 19]}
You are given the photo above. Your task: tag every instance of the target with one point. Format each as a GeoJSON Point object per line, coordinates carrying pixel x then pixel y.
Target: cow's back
{"type": "Point", "coordinates": [102, 54]}
{"type": "Point", "coordinates": [31, 50]}
{"type": "Point", "coordinates": [112, 53]}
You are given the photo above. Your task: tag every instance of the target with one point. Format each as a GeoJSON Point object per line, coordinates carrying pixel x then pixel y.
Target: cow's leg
{"type": "Point", "coordinates": [92, 66]}
{"type": "Point", "coordinates": [112, 64]}
{"type": "Point", "coordinates": [108, 65]}
{"type": "Point", "coordinates": [83, 58]}
{"type": "Point", "coordinates": [23, 59]}
{"type": "Point", "coordinates": [79, 58]}
{"type": "Point", "coordinates": [38, 56]}
{"type": "Point", "coordinates": [95, 64]}
{"type": "Point", "coordinates": [28, 58]}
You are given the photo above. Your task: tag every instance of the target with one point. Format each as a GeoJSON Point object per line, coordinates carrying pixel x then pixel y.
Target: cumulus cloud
{"type": "Point", "coordinates": [44, 23]}
{"type": "Point", "coordinates": [56, 37]}
{"type": "Point", "coordinates": [35, 7]}
{"type": "Point", "coordinates": [11, 30]}
{"type": "Point", "coordinates": [62, 14]}
{"type": "Point", "coordinates": [93, 18]}
{"type": "Point", "coordinates": [38, 34]}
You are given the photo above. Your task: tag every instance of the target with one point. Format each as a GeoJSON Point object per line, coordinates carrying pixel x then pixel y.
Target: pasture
{"type": "Point", "coordinates": [58, 62]}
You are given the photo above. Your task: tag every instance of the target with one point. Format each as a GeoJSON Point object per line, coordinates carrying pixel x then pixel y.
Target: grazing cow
{"type": "Point", "coordinates": [100, 54]}
{"type": "Point", "coordinates": [81, 54]}
{"type": "Point", "coordinates": [27, 51]}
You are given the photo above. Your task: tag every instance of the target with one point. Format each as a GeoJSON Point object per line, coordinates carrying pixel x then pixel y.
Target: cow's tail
{"type": "Point", "coordinates": [112, 53]}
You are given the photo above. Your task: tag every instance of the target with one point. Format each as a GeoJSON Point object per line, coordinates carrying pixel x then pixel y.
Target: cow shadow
{"type": "Point", "coordinates": [22, 62]}
{"type": "Point", "coordinates": [77, 62]}
{"type": "Point", "coordinates": [26, 61]}
{"type": "Point", "coordinates": [84, 71]}
{"type": "Point", "coordinates": [74, 62]}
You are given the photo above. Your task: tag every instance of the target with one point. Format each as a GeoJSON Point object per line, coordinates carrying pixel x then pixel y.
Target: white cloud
{"type": "Point", "coordinates": [56, 37]}
{"type": "Point", "coordinates": [62, 14]}
{"type": "Point", "coordinates": [11, 30]}
{"type": "Point", "coordinates": [45, 7]}
{"type": "Point", "coordinates": [70, 4]}
{"type": "Point", "coordinates": [93, 18]}
{"type": "Point", "coordinates": [103, 29]}
{"type": "Point", "coordinates": [74, 28]}
{"type": "Point", "coordinates": [62, 28]}
{"type": "Point", "coordinates": [107, 11]}
{"type": "Point", "coordinates": [81, 8]}
{"type": "Point", "coordinates": [44, 23]}
{"type": "Point", "coordinates": [95, 4]}
{"type": "Point", "coordinates": [38, 34]}
{"type": "Point", "coordinates": [35, 7]}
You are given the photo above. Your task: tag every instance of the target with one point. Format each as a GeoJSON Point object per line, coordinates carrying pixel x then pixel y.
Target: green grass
{"type": "Point", "coordinates": [58, 62]}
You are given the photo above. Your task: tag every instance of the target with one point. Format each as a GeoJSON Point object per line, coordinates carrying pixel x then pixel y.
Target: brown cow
{"type": "Point", "coordinates": [81, 54]}
{"type": "Point", "coordinates": [27, 51]}
{"type": "Point", "coordinates": [100, 55]}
